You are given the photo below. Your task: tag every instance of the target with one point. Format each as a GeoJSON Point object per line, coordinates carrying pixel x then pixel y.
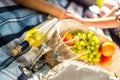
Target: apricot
{"type": "Point", "coordinates": [107, 48]}
{"type": "Point", "coordinates": [105, 61]}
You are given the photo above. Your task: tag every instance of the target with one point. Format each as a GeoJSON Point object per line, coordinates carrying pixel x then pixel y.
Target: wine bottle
{"type": "Point", "coordinates": [34, 37]}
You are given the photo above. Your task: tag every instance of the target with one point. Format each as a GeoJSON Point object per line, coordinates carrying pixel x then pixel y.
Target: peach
{"type": "Point", "coordinates": [107, 48]}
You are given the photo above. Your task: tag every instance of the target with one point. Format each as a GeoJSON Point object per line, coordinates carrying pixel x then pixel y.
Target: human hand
{"type": "Point", "coordinates": [70, 15]}
{"type": "Point", "coordinates": [67, 14]}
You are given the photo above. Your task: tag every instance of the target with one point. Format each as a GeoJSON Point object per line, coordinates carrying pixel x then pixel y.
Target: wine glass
{"type": "Point", "coordinates": [48, 30]}
{"type": "Point", "coordinates": [50, 44]}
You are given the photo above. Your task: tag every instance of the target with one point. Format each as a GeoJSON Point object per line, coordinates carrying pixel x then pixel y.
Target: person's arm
{"type": "Point", "coordinates": [107, 19]}
{"type": "Point", "coordinates": [45, 6]}
{"type": "Point", "coordinates": [108, 22]}
{"type": "Point", "coordinates": [59, 12]}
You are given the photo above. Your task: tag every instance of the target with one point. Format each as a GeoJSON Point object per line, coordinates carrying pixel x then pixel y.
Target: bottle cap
{"type": "Point", "coordinates": [16, 51]}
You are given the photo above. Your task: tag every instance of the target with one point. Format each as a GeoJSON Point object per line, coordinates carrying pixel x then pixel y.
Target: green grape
{"type": "Point", "coordinates": [89, 36]}
{"type": "Point", "coordinates": [89, 51]}
{"type": "Point", "coordinates": [89, 43]}
{"type": "Point", "coordinates": [79, 47]}
{"type": "Point", "coordinates": [79, 34]}
{"type": "Point", "coordinates": [96, 39]}
{"type": "Point", "coordinates": [90, 59]}
{"type": "Point", "coordinates": [92, 42]}
{"type": "Point", "coordinates": [92, 48]}
{"type": "Point", "coordinates": [91, 32]}
{"type": "Point", "coordinates": [95, 52]}
{"type": "Point", "coordinates": [83, 43]}
{"type": "Point", "coordinates": [79, 52]}
{"type": "Point", "coordinates": [84, 36]}
{"type": "Point", "coordinates": [96, 60]}
{"type": "Point", "coordinates": [98, 55]}
{"type": "Point", "coordinates": [91, 55]}
{"type": "Point", "coordinates": [84, 57]}
{"type": "Point", "coordinates": [97, 45]}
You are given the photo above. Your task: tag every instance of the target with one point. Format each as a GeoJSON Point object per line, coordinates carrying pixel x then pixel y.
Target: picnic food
{"type": "Point", "coordinates": [85, 43]}
{"type": "Point", "coordinates": [68, 37]}
{"type": "Point", "coordinates": [105, 61]}
{"type": "Point", "coordinates": [108, 48]}
{"type": "Point", "coordinates": [88, 44]}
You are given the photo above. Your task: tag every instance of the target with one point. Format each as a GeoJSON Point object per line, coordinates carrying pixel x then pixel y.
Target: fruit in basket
{"type": "Point", "coordinates": [87, 43]}
{"type": "Point", "coordinates": [68, 39]}
{"type": "Point", "coordinates": [107, 49]}
{"type": "Point", "coordinates": [105, 61]}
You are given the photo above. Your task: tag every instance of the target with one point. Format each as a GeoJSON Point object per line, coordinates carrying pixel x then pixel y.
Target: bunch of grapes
{"type": "Point", "coordinates": [87, 44]}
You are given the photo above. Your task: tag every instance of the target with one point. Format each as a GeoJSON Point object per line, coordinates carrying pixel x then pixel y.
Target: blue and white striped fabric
{"type": "Point", "coordinates": [15, 20]}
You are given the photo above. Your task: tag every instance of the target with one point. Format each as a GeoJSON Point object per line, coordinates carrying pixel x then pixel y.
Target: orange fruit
{"type": "Point", "coordinates": [107, 48]}
{"type": "Point", "coordinates": [68, 39]}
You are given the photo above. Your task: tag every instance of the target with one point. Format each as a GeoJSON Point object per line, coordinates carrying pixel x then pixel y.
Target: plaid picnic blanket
{"type": "Point", "coordinates": [15, 20]}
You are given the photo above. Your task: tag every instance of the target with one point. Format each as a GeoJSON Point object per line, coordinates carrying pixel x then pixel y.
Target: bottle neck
{"type": "Point", "coordinates": [24, 45]}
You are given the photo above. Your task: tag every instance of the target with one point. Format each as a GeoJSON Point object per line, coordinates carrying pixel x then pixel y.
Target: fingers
{"type": "Point", "coordinates": [74, 16]}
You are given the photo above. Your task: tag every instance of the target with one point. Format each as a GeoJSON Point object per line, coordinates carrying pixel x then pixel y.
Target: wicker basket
{"type": "Point", "coordinates": [67, 53]}
{"type": "Point", "coordinates": [75, 70]}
